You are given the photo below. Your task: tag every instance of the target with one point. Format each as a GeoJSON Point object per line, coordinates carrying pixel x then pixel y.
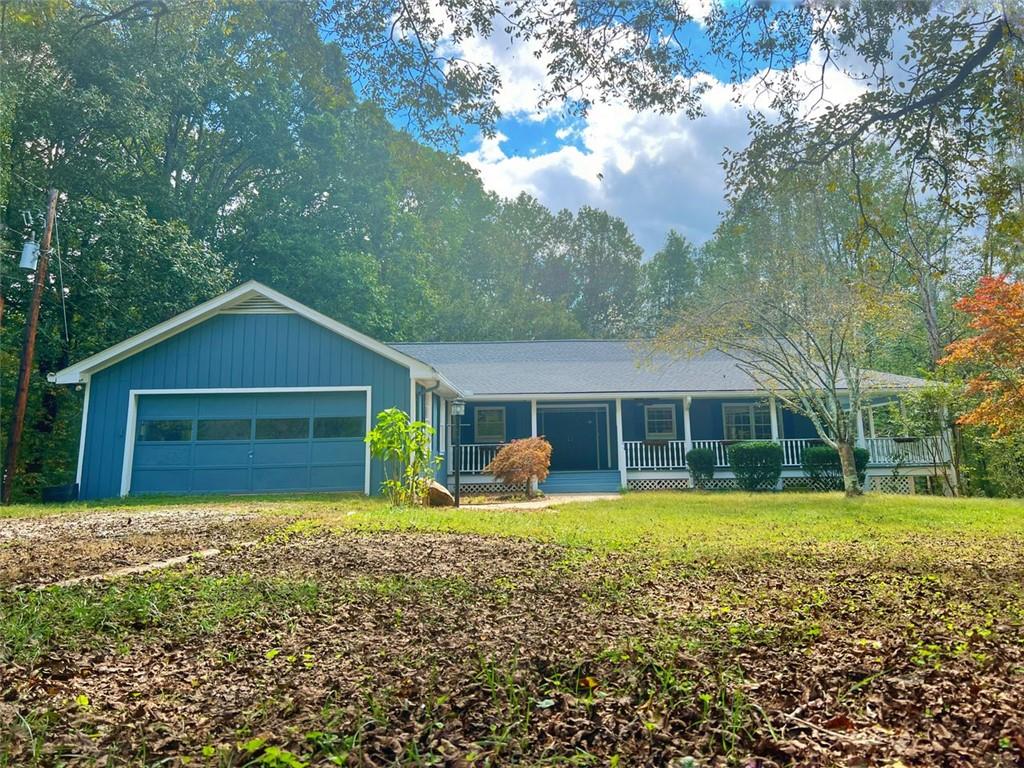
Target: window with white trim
{"type": "Point", "coordinates": [660, 422]}
{"type": "Point", "coordinates": [489, 425]}
{"type": "Point", "coordinates": [745, 421]}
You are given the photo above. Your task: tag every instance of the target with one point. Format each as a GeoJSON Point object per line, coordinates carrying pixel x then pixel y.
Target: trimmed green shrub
{"type": "Point", "coordinates": [757, 464]}
{"type": "Point", "coordinates": [701, 462]}
{"type": "Point", "coordinates": [821, 463]}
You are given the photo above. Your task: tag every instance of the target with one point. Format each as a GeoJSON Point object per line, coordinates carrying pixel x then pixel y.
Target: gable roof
{"type": "Point", "coordinates": [248, 297]}
{"type": "Point", "coordinates": [592, 367]}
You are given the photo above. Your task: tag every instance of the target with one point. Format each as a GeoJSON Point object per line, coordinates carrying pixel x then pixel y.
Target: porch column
{"type": "Point", "coordinates": [871, 422]}
{"type": "Point", "coordinates": [621, 445]}
{"type": "Point", "coordinates": [861, 443]}
{"type": "Point", "coordinates": [687, 435]}
{"type": "Point", "coordinates": [533, 418]}
{"type": "Point", "coordinates": [428, 407]}
{"type": "Point", "coordinates": [774, 413]}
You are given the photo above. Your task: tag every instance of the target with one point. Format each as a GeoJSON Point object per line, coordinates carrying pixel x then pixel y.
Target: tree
{"type": "Point", "coordinates": [669, 279]}
{"type": "Point", "coordinates": [995, 354]}
{"type": "Point", "coordinates": [522, 462]}
{"type": "Point", "coordinates": [793, 301]}
{"type": "Point", "coordinates": [597, 270]}
{"type": "Point", "coordinates": [403, 447]}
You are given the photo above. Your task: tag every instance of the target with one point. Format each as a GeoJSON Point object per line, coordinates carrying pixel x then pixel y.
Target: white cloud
{"type": "Point", "coordinates": [657, 172]}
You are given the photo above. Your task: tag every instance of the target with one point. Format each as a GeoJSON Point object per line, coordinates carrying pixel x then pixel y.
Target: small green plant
{"type": "Point", "coordinates": [757, 464]}
{"type": "Point", "coordinates": [403, 446]}
{"type": "Point", "coordinates": [821, 463]}
{"type": "Point", "coordinates": [701, 462]}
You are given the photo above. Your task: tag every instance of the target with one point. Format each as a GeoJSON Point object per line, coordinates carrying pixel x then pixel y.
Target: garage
{"type": "Point", "coordinates": [249, 442]}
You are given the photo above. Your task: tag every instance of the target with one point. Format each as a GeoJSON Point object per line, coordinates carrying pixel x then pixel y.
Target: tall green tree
{"type": "Point", "coordinates": [669, 279]}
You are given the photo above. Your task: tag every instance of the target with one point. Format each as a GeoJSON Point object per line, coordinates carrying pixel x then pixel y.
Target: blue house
{"type": "Point", "coordinates": [254, 392]}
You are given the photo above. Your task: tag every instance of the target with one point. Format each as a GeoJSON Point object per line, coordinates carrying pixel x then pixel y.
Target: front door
{"type": "Point", "coordinates": [577, 438]}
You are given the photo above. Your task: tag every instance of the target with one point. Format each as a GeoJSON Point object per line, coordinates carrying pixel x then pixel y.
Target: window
{"type": "Point", "coordinates": [747, 422]}
{"type": "Point", "coordinates": [490, 425]}
{"type": "Point", "coordinates": [327, 427]}
{"type": "Point", "coordinates": [660, 422]}
{"type": "Point", "coordinates": [223, 429]}
{"type": "Point", "coordinates": [165, 430]}
{"type": "Point", "coordinates": [282, 429]}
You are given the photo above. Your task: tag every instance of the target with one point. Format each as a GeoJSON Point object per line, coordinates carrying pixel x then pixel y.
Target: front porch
{"type": "Point", "coordinates": [588, 453]}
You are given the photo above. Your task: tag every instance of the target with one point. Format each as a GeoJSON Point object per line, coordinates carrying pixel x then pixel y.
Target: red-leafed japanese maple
{"type": "Point", "coordinates": [522, 461]}
{"type": "Point", "coordinates": [996, 353]}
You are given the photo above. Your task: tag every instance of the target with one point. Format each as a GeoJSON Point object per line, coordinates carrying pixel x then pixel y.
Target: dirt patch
{"type": "Point", "coordinates": [429, 649]}
{"type": "Point", "coordinates": [35, 551]}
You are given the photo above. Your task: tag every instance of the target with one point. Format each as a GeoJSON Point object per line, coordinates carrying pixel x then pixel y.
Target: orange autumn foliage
{"type": "Point", "coordinates": [997, 312]}
{"type": "Point", "coordinates": [522, 460]}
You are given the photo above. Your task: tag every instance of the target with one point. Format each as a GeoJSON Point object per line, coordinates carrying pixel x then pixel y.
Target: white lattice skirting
{"type": "Point", "coordinates": [667, 484]}
{"type": "Point", "coordinates": [488, 489]}
{"type": "Point", "coordinates": [889, 484]}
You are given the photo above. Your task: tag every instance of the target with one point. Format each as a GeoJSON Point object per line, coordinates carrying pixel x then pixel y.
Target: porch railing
{"type": "Point", "coordinates": [908, 451]}
{"type": "Point", "coordinates": [885, 451]}
{"type": "Point", "coordinates": [476, 456]}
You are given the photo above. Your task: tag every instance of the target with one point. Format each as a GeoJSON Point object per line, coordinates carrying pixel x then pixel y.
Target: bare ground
{"type": "Point", "coordinates": [431, 649]}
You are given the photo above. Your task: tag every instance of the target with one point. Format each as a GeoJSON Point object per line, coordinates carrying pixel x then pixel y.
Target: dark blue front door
{"type": "Point", "coordinates": [578, 438]}
{"type": "Point", "coordinates": [210, 443]}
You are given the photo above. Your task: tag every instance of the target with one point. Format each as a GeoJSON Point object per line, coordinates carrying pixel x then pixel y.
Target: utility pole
{"type": "Point", "coordinates": [28, 352]}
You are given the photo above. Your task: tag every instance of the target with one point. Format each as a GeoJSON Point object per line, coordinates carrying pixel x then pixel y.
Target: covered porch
{"type": "Point", "coordinates": [604, 444]}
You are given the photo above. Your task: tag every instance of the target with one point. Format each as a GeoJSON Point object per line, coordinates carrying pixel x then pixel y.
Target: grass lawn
{"type": "Point", "coordinates": [656, 629]}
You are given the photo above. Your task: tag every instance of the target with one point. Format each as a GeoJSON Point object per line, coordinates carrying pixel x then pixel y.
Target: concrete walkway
{"type": "Point", "coordinates": [546, 501]}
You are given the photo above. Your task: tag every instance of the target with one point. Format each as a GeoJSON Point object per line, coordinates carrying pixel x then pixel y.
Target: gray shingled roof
{"type": "Point", "coordinates": [587, 367]}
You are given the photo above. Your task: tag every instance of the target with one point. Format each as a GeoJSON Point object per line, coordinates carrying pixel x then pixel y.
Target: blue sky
{"type": "Point", "coordinates": [657, 172]}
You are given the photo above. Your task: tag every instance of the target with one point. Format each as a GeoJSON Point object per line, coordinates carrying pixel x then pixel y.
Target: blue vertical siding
{"type": "Point", "coordinates": [231, 351]}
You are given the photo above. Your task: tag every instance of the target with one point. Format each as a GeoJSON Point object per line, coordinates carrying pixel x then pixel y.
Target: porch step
{"type": "Point", "coordinates": [603, 481]}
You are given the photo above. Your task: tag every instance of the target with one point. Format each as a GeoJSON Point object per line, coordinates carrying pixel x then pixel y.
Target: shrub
{"type": "Point", "coordinates": [403, 446]}
{"type": "Point", "coordinates": [701, 462]}
{"type": "Point", "coordinates": [758, 465]}
{"type": "Point", "coordinates": [821, 463]}
{"type": "Point", "coordinates": [522, 461]}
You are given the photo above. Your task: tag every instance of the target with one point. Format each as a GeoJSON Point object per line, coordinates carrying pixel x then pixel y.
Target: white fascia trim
{"type": "Point", "coordinates": [74, 374]}
{"type": "Point", "coordinates": [133, 412]}
{"type": "Point", "coordinates": [81, 436]}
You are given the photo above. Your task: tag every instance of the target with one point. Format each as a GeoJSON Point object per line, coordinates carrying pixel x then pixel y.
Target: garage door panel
{"type": "Point", "coordinates": [160, 480]}
{"type": "Point", "coordinates": [285, 405]}
{"type": "Point", "coordinates": [270, 453]}
{"type": "Point", "coordinates": [340, 404]}
{"type": "Point", "coordinates": [337, 478]}
{"type": "Point", "coordinates": [219, 479]}
{"type": "Point", "coordinates": [226, 406]}
{"type": "Point", "coordinates": [281, 478]}
{"type": "Point", "coordinates": [167, 407]}
{"type": "Point", "coordinates": [338, 452]}
{"type": "Point", "coordinates": [163, 455]}
{"type": "Point", "coordinates": [222, 454]}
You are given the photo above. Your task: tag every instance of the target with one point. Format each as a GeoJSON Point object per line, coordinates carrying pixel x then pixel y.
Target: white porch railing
{"type": "Point", "coordinates": [924, 451]}
{"type": "Point", "coordinates": [476, 456]}
{"type": "Point", "coordinates": [670, 454]}
{"type": "Point", "coordinates": [907, 451]}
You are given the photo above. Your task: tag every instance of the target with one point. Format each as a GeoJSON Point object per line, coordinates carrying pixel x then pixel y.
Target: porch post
{"type": "Point", "coordinates": [621, 445]}
{"type": "Point", "coordinates": [774, 414]}
{"type": "Point", "coordinates": [533, 418]}
{"type": "Point", "coordinates": [687, 435]}
{"type": "Point", "coordinates": [861, 443]}
{"type": "Point", "coordinates": [871, 422]}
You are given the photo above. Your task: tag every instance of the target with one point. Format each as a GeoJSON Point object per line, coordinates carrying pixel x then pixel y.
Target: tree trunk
{"type": "Point", "coordinates": [530, 485]}
{"type": "Point", "coordinates": [851, 483]}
